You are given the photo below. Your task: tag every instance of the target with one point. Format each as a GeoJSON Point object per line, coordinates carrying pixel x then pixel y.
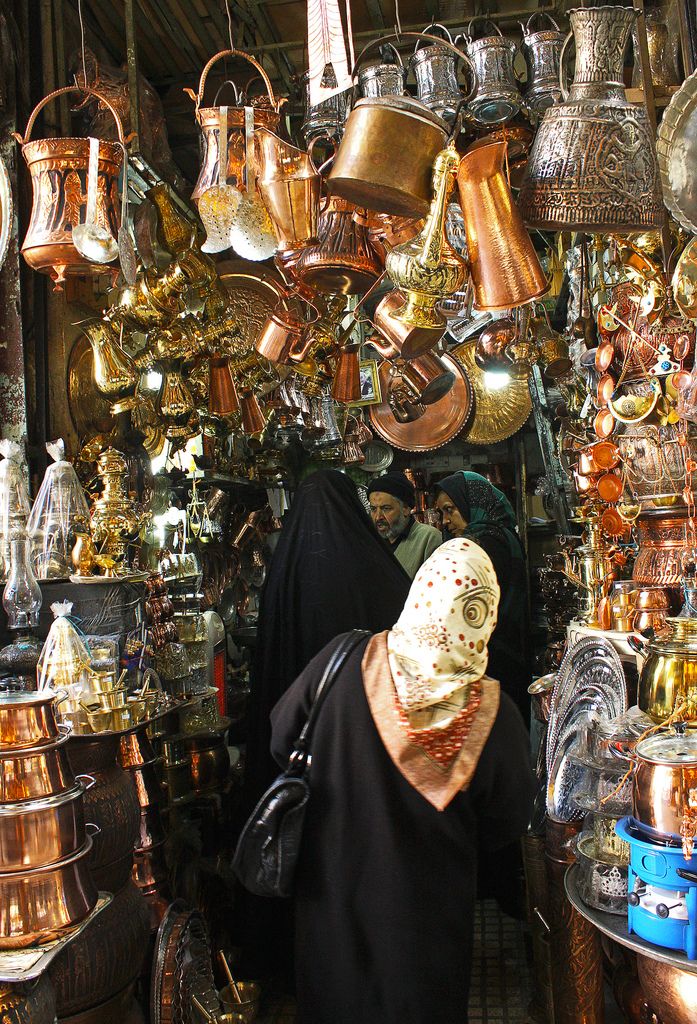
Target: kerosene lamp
{"type": "Point", "coordinates": [21, 600]}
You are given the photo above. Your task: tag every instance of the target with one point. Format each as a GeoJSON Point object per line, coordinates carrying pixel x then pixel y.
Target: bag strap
{"type": "Point", "coordinates": [300, 759]}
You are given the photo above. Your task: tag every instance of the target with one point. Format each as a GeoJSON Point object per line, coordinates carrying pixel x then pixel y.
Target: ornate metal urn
{"type": "Point", "coordinates": [593, 164]}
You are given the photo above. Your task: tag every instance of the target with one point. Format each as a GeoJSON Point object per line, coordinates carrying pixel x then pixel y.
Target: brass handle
{"type": "Point", "coordinates": [61, 92]}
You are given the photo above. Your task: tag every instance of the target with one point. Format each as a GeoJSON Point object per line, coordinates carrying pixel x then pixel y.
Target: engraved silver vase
{"type": "Point", "coordinates": [593, 164]}
{"type": "Point", "coordinates": [542, 50]}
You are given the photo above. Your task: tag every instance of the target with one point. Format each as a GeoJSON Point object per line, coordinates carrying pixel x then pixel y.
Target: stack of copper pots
{"type": "Point", "coordinates": [45, 883]}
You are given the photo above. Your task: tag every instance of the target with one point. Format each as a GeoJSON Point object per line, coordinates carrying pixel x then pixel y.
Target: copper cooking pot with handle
{"type": "Point", "coordinates": [39, 905]}
{"type": "Point", "coordinates": [664, 785]}
{"type": "Point", "coordinates": [39, 832]}
{"type": "Point", "coordinates": [27, 719]}
{"type": "Point", "coordinates": [30, 773]}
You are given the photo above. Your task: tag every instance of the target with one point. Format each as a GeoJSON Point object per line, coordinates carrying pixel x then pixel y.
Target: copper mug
{"type": "Point", "coordinates": [401, 339]}
{"type": "Point", "coordinates": [280, 334]}
{"type": "Point", "coordinates": [427, 377]}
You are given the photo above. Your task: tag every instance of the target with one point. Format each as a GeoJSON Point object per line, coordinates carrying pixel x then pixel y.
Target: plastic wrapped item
{"type": "Point", "coordinates": [14, 498]}
{"type": "Point", "coordinates": [64, 662]}
{"type": "Point", "coordinates": [59, 507]}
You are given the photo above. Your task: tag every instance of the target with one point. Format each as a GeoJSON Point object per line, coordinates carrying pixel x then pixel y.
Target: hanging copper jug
{"type": "Point", "coordinates": [435, 68]}
{"type": "Point", "coordinates": [222, 394]}
{"type": "Point", "coordinates": [427, 268]}
{"type": "Point", "coordinates": [289, 184]}
{"type": "Point", "coordinates": [593, 163]}
{"type": "Point", "coordinates": [496, 95]}
{"type": "Point", "coordinates": [503, 263]}
{"type": "Point", "coordinates": [58, 169]}
{"type": "Point", "coordinates": [344, 261]}
{"type": "Point", "coordinates": [383, 78]}
{"type": "Point", "coordinates": [542, 50]}
{"type": "Point", "coordinates": [266, 115]}
{"type": "Point", "coordinates": [346, 387]}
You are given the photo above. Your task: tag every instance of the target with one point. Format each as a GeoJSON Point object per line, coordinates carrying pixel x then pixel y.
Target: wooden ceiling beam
{"type": "Point", "coordinates": [169, 48]}
{"type": "Point", "coordinates": [271, 43]}
{"type": "Point", "coordinates": [191, 58]}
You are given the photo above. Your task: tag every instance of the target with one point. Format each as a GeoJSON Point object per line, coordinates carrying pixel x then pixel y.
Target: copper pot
{"type": "Point", "coordinates": [668, 991]}
{"type": "Point", "coordinates": [39, 905]}
{"type": "Point", "coordinates": [30, 773]}
{"type": "Point", "coordinates": [58, 169]}
{"type": "Point", "coordinates": [210, 761]}
{"type": "Point", "coordinates": [401, 339]}
{"type": "Point", "coordinates": [38, 832]}
{"type": "Point", "coordinates": [344, 261]}
{"type": "Point", "coordinates": [27, 719]}
{"type": "Point", "coordinates": [146, 780]}
{"type": "Point", "coordinates": [662, 541]}
{"type": "Point", "coordinates": [178, 779]}
{"type": "Point", "coordinates": [427, 377]}
{"type": "Point", "coordinates": [112, 804]}
{"type": "Point", "coordinates": [105, 957]}
{"type": "Point", "coordinates": [135, 748]}
{"type": "Point", "coordinates": [279, 335]}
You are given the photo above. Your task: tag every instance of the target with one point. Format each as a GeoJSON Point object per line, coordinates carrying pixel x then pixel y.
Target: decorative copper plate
{"type": "Point", "coordinates": [440, 423]}
{"type": "Point", "coordinates": [182, 968]}
{"type": "Point", "coordinates": [89, 411]}
{"type": "Point", "coordinates": [497, 414]}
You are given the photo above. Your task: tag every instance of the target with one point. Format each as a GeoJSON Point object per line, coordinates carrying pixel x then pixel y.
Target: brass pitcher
{"type": "Point", "coordinates": [58, 169]}
{"type": "Point", "coordinates": [593, 163]}
{"type": "Point", "coordinates": [290, 188]}
{"type": "Point", "coordinates": [266, 115]}
{"type": "Point", "coordinates": [503, 263]}
{"type": "Point", "coordinates": [344, 261]}
{"type": "Point", "coordinates": [427, 268]}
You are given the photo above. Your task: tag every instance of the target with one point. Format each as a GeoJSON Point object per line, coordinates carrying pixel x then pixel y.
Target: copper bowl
{"type": "Point", "coordinates": [669, 992]}
{"type": "Point", "coordinates": [42, 904]}
{"type": "Point", "coordinates": [39, 832]}
{"type": "Point", "coordinates": [35, 772]}
{"type": "Point", "coordinates": [27, 719]}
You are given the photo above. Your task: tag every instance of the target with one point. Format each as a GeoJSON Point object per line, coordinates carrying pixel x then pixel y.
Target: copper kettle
{"type": "Point", "coordinates": [344, 261]}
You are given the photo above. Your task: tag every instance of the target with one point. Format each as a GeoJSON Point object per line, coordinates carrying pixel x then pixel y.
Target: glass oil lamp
{"type": "Point", "coordinates": [21, 600]}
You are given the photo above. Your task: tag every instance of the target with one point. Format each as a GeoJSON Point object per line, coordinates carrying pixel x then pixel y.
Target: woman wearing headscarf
{"type": "Point", "coordinates": [472, 507]}
{"type": "Point", "coordinates": [419, 763]}
{"type": "Point", "coordinates": [331, 572]}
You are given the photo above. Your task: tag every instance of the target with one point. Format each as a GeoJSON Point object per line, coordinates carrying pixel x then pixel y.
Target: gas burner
{"type": "Point", "coordinates": [662, 886]}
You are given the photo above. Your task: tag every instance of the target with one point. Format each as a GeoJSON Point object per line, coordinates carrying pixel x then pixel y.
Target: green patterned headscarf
{"type": "Point", "coordinates": [483, 507]}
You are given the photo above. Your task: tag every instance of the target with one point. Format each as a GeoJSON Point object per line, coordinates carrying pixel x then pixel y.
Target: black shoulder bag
{"type": "Point", "coordinates": [267, 850]}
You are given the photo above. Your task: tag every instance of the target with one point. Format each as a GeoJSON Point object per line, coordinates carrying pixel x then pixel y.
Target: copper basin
{"type": "Point", "coordinates": [40, 905]}
{"type": "Point", "coordinates": [27, 719]}
{"type": "Point", "coordinates": [39, 832]}
{"type": "Point", "coordinates": [34, 772]}
{"type": "Point", "coordinates": [669, 992]}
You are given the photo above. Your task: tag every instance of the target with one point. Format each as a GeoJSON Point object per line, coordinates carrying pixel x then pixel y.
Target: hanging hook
{"type": "Point", "coordinates": [398, 23]}
{"type": "Point", "coordinates": [229, 24]}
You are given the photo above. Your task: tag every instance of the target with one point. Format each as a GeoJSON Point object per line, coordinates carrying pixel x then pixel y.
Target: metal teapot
{"type": "Point", "coordinates": [590, 567]}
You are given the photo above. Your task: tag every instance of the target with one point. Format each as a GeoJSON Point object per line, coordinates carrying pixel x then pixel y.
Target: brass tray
{"type": "Point", "coordinates": [497, 414]}
{"type": "Point", "coordinates": [441, 422]}
{"type": "Point", "coordinates": [254, 292]}
{"type": "Point", "coordinates": [89, 411]}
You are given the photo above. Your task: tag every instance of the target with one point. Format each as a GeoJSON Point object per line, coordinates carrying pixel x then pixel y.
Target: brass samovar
{"type": "Point", "coordinates": [590, 567]}
{"type": "Point", "coordinates": [115, 520]}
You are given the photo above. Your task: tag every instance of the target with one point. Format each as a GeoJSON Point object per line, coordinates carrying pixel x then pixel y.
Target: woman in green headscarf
{"type": "Point", "coordinates": [472, 507]}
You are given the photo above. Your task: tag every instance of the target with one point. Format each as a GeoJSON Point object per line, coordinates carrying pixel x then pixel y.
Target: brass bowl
{"type": "Point", "coordinates": [27, 719]}
{"type": "Point", "coordinates": [39, 905]}
{"type": "Point", "coordinates": [35, 772]}
{"type": "Point", "coordinates": [248, 1009]}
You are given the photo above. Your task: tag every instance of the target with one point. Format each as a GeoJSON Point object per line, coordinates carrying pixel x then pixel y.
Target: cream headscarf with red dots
{"type": "Point", "coordinates": [438, 647]}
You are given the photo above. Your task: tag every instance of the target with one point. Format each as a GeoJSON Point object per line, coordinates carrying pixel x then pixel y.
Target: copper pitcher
{"type": "Point", "coordinates": [222, 394]}
{"type": "Point", "coordinates": [280, 334]}
{"type": "Point", "coordinates": [344, 261]}
{"type": "Point", "coordinates": [58, 169]}
{"type": "Point", "coordinates": [346, 387]}
{"type": "Point", "coordinates": [266, 115]}
{"type": "Point", "coordinates": [289, 184]}
{"type": "Point", "coordinates": [503, 263]}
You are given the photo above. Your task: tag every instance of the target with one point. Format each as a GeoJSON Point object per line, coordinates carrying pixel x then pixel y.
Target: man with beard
{"type": "Point", "coordinates": [392, 500]}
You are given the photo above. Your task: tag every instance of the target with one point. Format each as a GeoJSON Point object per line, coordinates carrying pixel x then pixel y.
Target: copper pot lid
{"type": "Point", "coordinates": [497, 414]}
{"type": "Point", "coordinates": [440, 422]}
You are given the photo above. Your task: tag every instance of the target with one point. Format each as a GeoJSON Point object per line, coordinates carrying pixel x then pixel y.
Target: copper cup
{"type": "Point", "coordinates": [222, 394]}
{"type": "Point", "coordinates": [428, 377]}
{"type": "Point", "coordinates": [346, 386]}
{"type": "Point", "coordinates": [279, 335]}
{"type": "Point", "coordinates": [401, 339]}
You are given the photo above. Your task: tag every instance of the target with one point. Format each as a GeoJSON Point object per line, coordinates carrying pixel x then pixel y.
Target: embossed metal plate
{"type": "Point", "coordinates": [497, 414]}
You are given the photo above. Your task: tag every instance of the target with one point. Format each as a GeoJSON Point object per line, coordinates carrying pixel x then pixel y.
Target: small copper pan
{"type": "Point", "coordinates": [612, 523]}
{"type": "Point", "coordinates": [610, 487]}
{"type": "Point", "coordinates": [604, 424]}
{"type": "Point", "coordinates": [604, 354]}
{"type": "Point", "coordinates": [606, 387]}
{"type": "Point", "coordinates": [606, 455]}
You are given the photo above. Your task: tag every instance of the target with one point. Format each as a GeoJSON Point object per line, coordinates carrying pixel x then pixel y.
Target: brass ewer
{"type": "Point", "coordinates": [115, 373]}
{"type": "Point", "coordinates": [590, 568]}
{"type": "Point", "coordinates": [427, 268]}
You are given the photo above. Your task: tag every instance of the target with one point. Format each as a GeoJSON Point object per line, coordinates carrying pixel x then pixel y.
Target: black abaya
{"type": "Point", "coordinates": [386, 883]}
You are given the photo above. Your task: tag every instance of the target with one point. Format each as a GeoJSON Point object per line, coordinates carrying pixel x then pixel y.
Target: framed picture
{"type": "Point", "coordinates": [370, 383]}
